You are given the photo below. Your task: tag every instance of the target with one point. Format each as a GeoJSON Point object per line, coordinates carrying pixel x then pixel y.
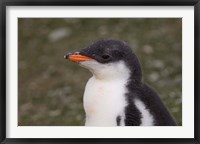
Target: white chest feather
{"type": "Point", "coordinates": [104, 101]}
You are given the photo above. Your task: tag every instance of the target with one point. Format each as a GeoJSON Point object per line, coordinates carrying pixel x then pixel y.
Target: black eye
{"type": "Point", "coordinates": [105, 56]}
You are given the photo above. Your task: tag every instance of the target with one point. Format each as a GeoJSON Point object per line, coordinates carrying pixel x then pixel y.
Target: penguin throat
{"type": "Point", "coordinates": [110, 71]}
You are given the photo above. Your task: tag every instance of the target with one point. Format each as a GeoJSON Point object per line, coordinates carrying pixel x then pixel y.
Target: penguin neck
{"type": "Point", "coordinates": [112, 72]}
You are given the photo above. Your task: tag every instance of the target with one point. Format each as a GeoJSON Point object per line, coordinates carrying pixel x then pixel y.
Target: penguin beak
{"type": "Point", "coordinates": [76, 57]}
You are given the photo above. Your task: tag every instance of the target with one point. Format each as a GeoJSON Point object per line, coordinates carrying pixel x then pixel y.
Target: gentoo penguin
{"type": "Point", "coordinates": [115, 95]}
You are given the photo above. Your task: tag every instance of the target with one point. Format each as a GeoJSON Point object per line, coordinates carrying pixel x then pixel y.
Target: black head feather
{"type": "Point", "coordinates": [108, 51]}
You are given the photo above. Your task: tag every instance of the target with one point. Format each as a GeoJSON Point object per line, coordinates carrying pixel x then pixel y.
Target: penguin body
{"type": "Point", "coordinates": [115, 95]}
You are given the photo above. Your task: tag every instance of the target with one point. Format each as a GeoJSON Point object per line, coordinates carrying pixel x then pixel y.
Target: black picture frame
{"type": "Point", "coordinates": [5, 3]}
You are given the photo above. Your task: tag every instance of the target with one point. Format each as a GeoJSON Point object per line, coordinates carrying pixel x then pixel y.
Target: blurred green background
{"type": "Point", "coordinates": [51, 88]}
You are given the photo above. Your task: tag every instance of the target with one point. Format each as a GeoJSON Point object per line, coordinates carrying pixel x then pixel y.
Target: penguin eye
{"type": "Point", "coordinates": [105, 56]}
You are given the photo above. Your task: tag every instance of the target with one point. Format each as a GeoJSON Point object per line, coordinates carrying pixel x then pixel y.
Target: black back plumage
{"type": "Point", "coordinates": [138, 89]}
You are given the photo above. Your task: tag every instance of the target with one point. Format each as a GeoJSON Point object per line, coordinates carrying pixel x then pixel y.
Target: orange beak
{"type": "Point", "coordinates": [78, 58]}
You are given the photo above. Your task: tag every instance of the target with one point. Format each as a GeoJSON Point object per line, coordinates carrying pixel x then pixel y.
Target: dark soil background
{"type": "Point", "coordinates": [51, 88]}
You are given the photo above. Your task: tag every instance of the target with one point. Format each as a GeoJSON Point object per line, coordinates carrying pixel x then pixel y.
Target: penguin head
{"type": "Point", "coordinates": [108, 59]}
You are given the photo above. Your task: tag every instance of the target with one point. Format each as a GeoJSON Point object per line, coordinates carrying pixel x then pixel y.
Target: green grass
{"type": "Point", "coordinates": [51, 88]}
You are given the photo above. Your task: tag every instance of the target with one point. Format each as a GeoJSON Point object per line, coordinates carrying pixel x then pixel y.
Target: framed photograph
{"type": "Point", "coordinates": [99, 71]}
